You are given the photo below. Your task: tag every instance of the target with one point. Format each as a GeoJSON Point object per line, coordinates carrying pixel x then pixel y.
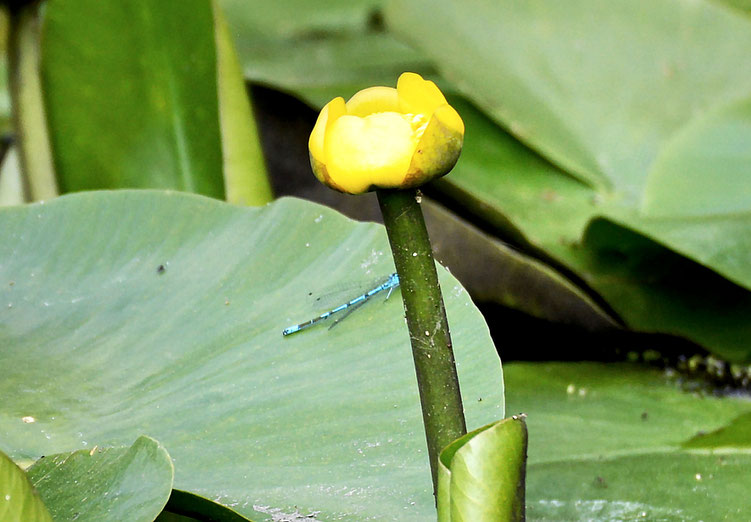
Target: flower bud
{"type": "Point", "coordinates": [386, 138]}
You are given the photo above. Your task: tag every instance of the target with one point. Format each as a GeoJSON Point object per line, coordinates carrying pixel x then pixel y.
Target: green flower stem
{"type": "Point", "coordinates": [28, 106]}
{"type": "Point", "coordinates": [442, 411]}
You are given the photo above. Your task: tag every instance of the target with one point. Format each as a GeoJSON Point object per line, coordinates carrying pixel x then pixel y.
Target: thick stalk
{"type": "Point", "coordinates": [442, 411]}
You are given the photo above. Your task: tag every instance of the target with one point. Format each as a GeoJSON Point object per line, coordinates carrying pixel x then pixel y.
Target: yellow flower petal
{"type": "Point", "coordinates": [372, 151]}
{"type": "Point", "coordinates": [330, 112]}
{"type": "Point", "coordinates": [418, 96]}
{"type": "Point", "coordinates": [372, 100]}
{"type": "Point", "coordinates": [439, 147]}
{"type": "Point", "coordinates": [450, 118]}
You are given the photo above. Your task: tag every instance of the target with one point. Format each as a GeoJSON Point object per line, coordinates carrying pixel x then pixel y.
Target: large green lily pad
{"type": "Point", "coordinates": [651, 287]}
{"type": "Point", "coordinates": [127, 313]}
{"type": "Point", "coordinates": [619, 97]}
{"type": "Point", "coordinates": [598, 88]}
{"type": "Point", "coordinates": [606, 443]}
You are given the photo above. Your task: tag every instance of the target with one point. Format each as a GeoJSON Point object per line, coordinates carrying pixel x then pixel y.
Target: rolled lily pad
{"type": "Point", "coordinates": [481, 475]}
{"type": "Point", "coordinates": [146, 312]}
{"type": "Point", "coordinates": [19, 501]}
{"type": "Point", "coordinates": [124, 483]}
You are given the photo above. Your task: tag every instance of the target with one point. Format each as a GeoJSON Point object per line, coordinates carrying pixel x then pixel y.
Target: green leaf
{"type": "Point", "coordinates": [185, 504]}
{"type": "Point", "coordinates": [167, 516]}
{"type": "Point", "coordinates": [147, 104]}
{"type": "Point", "coordinates": [5, 110]}
{"type": "Point", "coordinates": [608, 97]}
{"type": "Point", "coordinates": [667, 292]}
{"type": "Point", "coordinates": [319, 50]}
{"type": "Point", "coordinates": [605, 443]}
{"type": "Point", "coordinates": [124, 483]}
{"type": "Point", "coordinates": [736, 435]}
{"type": "Point", "coordinates": [145, 312]}
{"type": "Point", "coordinates": [29, 119]}
{"type": "Point", "coordinates": [19, 502]}
{"type": "Point", "coordinates": [645, 282]}
{"type": "Point", "coordinates": [245, 175]}
{"type": "Point", "coordinates": [481, 474]}
{"type": "Point", "coordinates": [742, 5]}
{"type": "Point", "coordinates": [632, 137]}
{"type": "Point", "coordinates": [494, 272]}
{"type": "Point", "coordinates": [597, 88]}
{"type": "Point", "coordinates": [679, 487]}
{"type": "Point", "coordinates": [295, 18]}
{"type": "Point", "coordinates": [131, 95]}
{"type": "Point", "coordinates": [11, 181]}
{"type": "Point", "coordinates": [703, 171]}
{"type": "Point", "coordinates": [319, 69]}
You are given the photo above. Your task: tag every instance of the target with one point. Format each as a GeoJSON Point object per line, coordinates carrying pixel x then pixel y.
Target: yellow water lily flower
{"type": "Point", "coordinates": [386, 138]}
